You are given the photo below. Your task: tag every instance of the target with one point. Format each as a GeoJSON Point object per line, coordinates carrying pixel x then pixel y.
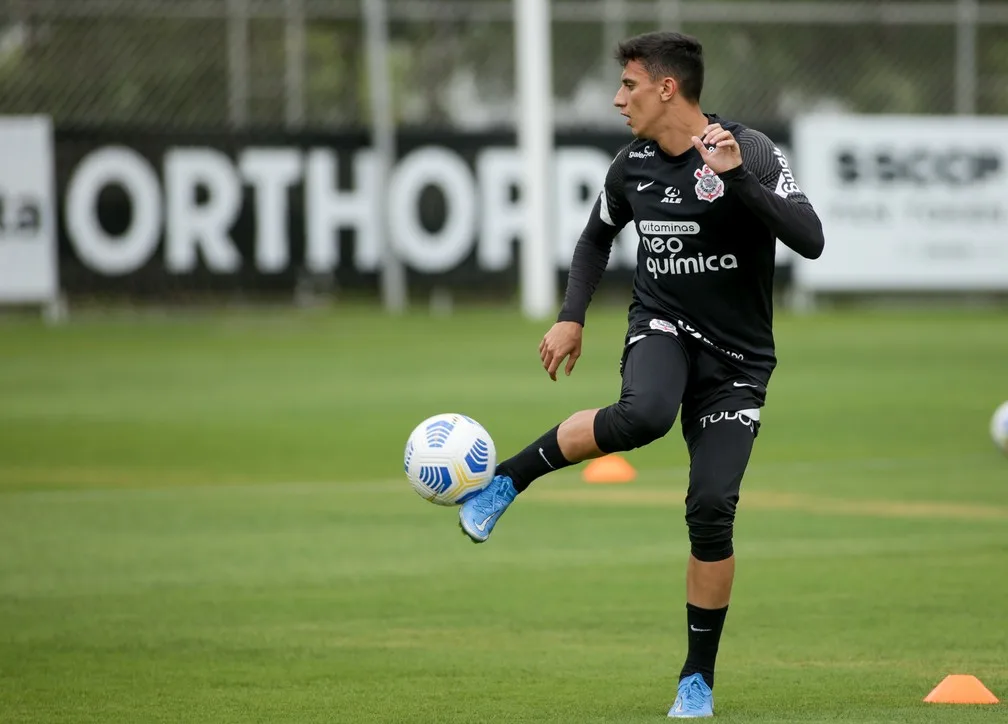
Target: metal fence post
{"type": "Point", "coordinates": [393, 276]}
{"type": "Point", "coordinates": [966, 50]}
{"type": "Point", "coordinates": [238, 66]}
{"type": "Point", "coordinates": [534, 84]}
{"type": "Point", "coordinates": [295, 57]}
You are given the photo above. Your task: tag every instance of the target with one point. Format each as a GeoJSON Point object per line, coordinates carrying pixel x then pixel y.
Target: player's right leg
{"type": "Point", "coordinates": [720, 445]}
{"type": "Point", "coordinates": [654, 376]}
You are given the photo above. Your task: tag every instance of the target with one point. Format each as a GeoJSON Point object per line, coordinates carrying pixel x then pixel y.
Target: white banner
{"type": "Point", "coordinates": [907, 203]}
{"type": "Point", "coordinates": [28, 255]}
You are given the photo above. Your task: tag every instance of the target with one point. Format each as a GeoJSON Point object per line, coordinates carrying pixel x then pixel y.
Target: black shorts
{"type": "Point", "coordinates": [714, 383]}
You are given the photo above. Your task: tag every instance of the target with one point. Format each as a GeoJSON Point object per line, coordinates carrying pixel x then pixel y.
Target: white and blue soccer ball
{"type": "Point", "coordinates": [449, 458]}
{"type": "Point", "coordinates": [999, 427]}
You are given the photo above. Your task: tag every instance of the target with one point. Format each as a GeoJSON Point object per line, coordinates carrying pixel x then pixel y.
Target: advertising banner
{"type": "Point", "coordinates": [908, 203]}
{"type": "Point", "coordinates": [28, 259]}
{"type": "Point", "coordinates": [149, 214]}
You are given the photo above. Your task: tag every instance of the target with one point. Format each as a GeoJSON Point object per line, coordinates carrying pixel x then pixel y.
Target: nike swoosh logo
{"type": "Point", "coordinates": [543, 455]}
{"type": "Point", "coordinates": [743, 384]}
{"type": "Point", "coordinates": [636, 338]}
{"type": "Point", "coordinates": [482, 526]}
{"type": "Point", "coordinates": [699, 630]}
{"type": "Point", "coordinates": [642, 186]}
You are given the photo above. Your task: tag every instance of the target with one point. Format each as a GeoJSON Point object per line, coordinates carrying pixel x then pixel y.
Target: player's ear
{"type": "Point", "coordinates": [668, 88]}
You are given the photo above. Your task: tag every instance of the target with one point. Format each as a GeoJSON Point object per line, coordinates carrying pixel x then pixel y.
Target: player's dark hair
{"type": "Point", "coordinates": [666, 53]}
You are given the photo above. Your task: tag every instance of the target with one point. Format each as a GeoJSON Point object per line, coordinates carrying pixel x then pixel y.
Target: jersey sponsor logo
{"type": "Point", "coordinates": [709, 185]}
{"type": "Point", "coordinates": [668, 228]}
{"type": "Point", "coordinates": [646, 152]}
{"type": "Point", "coordinates": [745, 417]}
{"type": "Point", "coordinates": [659, 245]}
{"type": "Point", "coordinates": [699, 264]}
{"type": "Point", "coordinates": [660, 325]}
{"type": "Point", "coordinates": [662, 248]}
{"type": "Point", "coordinates": [672, 196]}
{"type": "Point", "coordinates": [786, 182]}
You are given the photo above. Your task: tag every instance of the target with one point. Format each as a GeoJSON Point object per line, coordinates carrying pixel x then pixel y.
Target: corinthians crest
{"type": "Point", "coordinates": [709, 185]}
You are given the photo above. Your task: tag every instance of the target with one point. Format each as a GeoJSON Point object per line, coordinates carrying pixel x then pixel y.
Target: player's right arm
{"type": "Point", "coordinates": [609, 215]}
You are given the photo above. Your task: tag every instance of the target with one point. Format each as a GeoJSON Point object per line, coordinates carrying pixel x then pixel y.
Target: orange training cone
{"type": "Point", "coordinates": [609, 469]}
{"type": "Point", "coordinates": [960, 689]}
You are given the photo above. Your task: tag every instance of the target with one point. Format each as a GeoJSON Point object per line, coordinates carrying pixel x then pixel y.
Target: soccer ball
{"type": "Point", "coordinates": [999, 427]}
{"type": "Point", "coordinates": [449, 458]}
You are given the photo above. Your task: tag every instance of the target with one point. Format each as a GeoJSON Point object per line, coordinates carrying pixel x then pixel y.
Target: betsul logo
{"type": "Point", "coordinates": [660, 239]}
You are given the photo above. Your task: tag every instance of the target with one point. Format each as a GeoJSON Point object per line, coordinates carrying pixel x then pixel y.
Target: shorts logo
{"type": "Point", "coordinates": [660, 325]}
{"type": "Point", "coordinates": [742, 417]}
{"type": "Point", "coordinates": [706, 340]}
{"type": "Point", "coordinates": [709, 185]}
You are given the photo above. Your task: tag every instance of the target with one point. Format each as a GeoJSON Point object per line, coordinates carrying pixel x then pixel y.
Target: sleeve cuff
{"type": "Point", "coordinates": [568, 316]}
{"type": "Point", "coordinates": [734, 176]}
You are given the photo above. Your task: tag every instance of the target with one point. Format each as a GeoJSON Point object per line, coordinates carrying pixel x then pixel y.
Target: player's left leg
{"type": "Point", "coordinates": [719, 445]}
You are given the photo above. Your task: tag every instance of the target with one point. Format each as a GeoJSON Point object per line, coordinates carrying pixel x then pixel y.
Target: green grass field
{"type": "Point", "coordinates": [203, 518]}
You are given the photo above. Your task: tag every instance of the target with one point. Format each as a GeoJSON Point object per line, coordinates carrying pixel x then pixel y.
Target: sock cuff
{"type": "Point", "coordinates": [696, 609]}
{"type": "Point", "coordinates": [550, 449]}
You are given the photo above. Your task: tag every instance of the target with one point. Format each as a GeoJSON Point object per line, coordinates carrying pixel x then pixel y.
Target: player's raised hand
{"type": "Point", "coordinates": [726, 154]}
{"type": "Point", "coordinates": [562, 341]}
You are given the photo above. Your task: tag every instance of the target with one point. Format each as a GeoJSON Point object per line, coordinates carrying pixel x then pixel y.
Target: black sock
{"type": "Point", "coordinates": [703, 626]}
{"type": "Point", "coordinates": [541, 457]}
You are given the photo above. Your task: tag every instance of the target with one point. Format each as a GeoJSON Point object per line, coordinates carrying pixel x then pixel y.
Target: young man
{"type": "Point", "coordinates": [709, 197]}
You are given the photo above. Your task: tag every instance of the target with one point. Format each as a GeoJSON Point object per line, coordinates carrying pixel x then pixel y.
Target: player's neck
{"type": "Point", "coordinates": [676, 137]}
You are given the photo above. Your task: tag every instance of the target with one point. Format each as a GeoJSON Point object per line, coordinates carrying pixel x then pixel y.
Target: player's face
{"type": "Point", "coordinates": [639, 99]}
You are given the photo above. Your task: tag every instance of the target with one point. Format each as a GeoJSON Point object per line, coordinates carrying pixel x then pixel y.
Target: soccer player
{"type": "Point", "coordinates": [709, 198]}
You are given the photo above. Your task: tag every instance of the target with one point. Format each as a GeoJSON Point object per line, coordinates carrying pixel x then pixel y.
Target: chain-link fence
{"type": "Point", "coordinates": [300, 63]}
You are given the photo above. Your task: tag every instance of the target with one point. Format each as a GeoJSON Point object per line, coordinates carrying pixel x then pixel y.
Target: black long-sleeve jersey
{"type": "Point", "coordinates": [705, 263]}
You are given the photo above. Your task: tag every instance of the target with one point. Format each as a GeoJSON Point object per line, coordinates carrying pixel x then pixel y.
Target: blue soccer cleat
{"type": "Point", "coordinates": [479, 514]}
{"type": "Point", "coordinates": [694, 701]}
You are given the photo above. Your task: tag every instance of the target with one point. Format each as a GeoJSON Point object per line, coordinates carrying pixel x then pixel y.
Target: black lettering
{"type": "Point", "coordinates": [847, 167]}
{"type": "Point", "coordinates": [29, 218]}
{"type": "Point", "coordinates": [918, 167]}
{"type": "Point", "coordinates": [20, 214]}
{"type": "Point", "coordinates": [987, 165]}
